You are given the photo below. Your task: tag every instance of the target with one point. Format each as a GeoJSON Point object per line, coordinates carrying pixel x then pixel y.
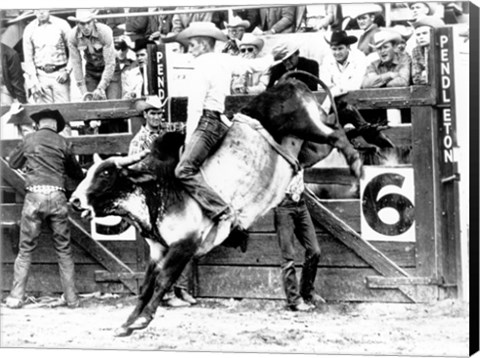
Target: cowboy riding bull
{"type": "Point", "coordinates": [267, 143]}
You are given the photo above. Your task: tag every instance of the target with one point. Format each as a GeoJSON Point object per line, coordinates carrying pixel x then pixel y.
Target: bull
{"type": "Point", "coordinates": [251, 169]}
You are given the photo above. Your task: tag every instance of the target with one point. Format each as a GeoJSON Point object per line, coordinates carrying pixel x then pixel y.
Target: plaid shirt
{"type": "Point", "coordinates": [419, 65]}
{"type": "Point", "coordinates": [145, 137]}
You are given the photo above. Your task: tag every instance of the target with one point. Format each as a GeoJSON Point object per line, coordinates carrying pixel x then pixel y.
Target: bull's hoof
{"type": "Point", "coordinates": [123, 332]}
{"type": "Point", "coordinates": [140, 323]}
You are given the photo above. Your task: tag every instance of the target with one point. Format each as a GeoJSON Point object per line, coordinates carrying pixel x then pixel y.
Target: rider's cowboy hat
{"type": "Point", "coordinates": [151, 102]}
{"type": "Point", "coordinates": [49, 114]}
{"type": "Point", "coordinates": [204, 29]}
{"type": "Point", "coordinates": [382, 37]}
{"type": "Point", "coordinates": [237, 21]}
{"type": "Point", "coordinates": [341, 38]}
{"type": "Point", "coordinates": [252, 40]}
{"type": "Point", "coordinates": [83, 15]}
{"type": "Point", "coordinates": [431, 21]}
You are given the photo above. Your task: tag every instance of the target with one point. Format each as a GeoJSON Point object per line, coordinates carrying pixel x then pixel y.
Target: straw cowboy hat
{"type": "Point", "coordinates": [366, 9]}
{"type": "Point", "coordinates": [405, 31]}
{"type": "Point", "coordinates": [250, 39]}
{"type": "Point", "coordinates": [288, 49]}
{"type": "Point", "coordinates": [238, 22]}
{"type": "Point", "coordinates": [205, 29]}
{"type": "Point", "coordinates": [431, 21]}
{"type": "Point", "coordinates": [149, 103]}
{"type": "Point", "coordinates": [382, 37]}
{"type": "Point", "coordinates": [49, 114]}
{"type": "Point", "coordinates": [83, 15]}
{"type": "Point", "coordinates": [341, 38]}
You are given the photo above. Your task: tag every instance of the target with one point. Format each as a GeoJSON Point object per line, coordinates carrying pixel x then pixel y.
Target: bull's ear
{"type": "Point", "coordinates": [96, 158]}
{"type": "Point", "coordinates": [137, 176]}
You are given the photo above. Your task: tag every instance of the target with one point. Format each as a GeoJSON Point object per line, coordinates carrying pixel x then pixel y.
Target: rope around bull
{"type": "Point", "coordinates": [320, 82]}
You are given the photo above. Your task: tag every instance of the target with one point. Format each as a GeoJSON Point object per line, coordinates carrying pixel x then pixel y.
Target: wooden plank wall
{"type": "Point", "coordinates": [227, 272]}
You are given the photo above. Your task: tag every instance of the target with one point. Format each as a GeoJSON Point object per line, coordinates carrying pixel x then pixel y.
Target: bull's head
{"type": "Point", "coordinates": [109, 184]}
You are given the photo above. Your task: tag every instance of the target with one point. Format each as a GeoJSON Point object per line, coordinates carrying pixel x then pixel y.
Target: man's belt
{"type": "Point", "coordinates": [211, 114]}
{"type": "Point", "coordinates": [51, 68]}
{"type": "Point", "coordinates": [44, 189]}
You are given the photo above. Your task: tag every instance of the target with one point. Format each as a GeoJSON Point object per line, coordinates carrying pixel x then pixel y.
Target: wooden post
{"type": "Point", "coordinates": [449, 245]}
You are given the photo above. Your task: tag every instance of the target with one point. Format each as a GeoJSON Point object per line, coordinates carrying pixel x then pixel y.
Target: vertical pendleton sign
{"type": "Point", "coordinates": [157, 75]}
{"type": "Point", "coordinates": [447, 142]}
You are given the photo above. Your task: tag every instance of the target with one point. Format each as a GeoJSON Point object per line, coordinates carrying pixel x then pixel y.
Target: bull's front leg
{"type": "Point", "coordinates": [177, 257]}
{"type": "Point", "coordinates": [146, 291]}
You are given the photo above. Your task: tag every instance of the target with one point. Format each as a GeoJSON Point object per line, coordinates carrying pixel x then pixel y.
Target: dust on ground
{"type": "Point", "coordinates": [439, 329]}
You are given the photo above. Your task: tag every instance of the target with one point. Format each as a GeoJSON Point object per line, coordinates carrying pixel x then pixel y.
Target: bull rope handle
{"type": "Point", "coordinates": [320, 82]}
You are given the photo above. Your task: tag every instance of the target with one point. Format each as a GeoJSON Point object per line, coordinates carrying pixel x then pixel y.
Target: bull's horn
{"type": "Point", "coordinates": [131, 159]}
{"type": "Point", "coordinates": [96, 158]}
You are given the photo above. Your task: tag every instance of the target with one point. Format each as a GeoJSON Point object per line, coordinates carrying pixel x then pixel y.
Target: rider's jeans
{"type": "Point", "coordinates": [205, 139]}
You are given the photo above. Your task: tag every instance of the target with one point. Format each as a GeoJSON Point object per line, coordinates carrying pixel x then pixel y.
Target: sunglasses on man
{"type": "Point", "coordinates": [247, 49]}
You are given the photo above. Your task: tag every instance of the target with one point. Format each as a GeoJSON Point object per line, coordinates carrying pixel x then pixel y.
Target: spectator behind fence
{"type": "Point", "coordinates": [423, 28]}
{"type": "Point", "coordinates": [131, 77]}
{"type": "Point", "coordinates": [181, 21]}
{"type": "Point", "coordinates": [276, 20]}
{"type": "Point", "coordinates": [365, 18]}
{"type": "Point", "coordinates": [316, 17]}
{"type": "Point", "coordinates": [251, 15]}
{"type": "Point", "coordinates": [48, 160]}
{"type": "Point", "coordinates": [343, 68]}
{"type": "Point", "coordinates": [141, 52]}
{"type": "Point", "coordinates": [45, 50]}
{"type": "Point", "coordinates": [144, 27]}
{"type": "Point", "coordinates": [406, 33]}
{"type": "Point", "coordinates": [292, 61]}
{"type": "Point", "coordinates": [421, 9]}
{"type": "Point", "coordinates": [236, 29]}
{"type": "Point", "coordinates": [12, 82]}
{"type": "Point", "coordinates": [95, 41]}
{"type": "Point", "coordinates": [250, 82]}
{"type": "Point", "coordinates": [391, 69]}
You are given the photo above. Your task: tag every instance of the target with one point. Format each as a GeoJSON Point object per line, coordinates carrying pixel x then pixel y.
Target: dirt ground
{"type": "Point", "coordinates": [439, 329]}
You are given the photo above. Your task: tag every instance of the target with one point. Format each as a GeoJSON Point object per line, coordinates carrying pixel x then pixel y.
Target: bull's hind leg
{"type": "Point", "coordinates": [339, 140]}
{"type": "Point", "coordinates": [177, 257]}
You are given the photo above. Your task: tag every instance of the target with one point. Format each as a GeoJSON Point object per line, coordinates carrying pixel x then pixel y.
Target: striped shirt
{"type": "Point", "coordinates": [45, 44]}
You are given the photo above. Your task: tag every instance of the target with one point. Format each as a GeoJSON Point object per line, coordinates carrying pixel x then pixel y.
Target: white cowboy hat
{"type": "Point", "coordinates": [83, 15]}
{"type": "Point", "coordinates": [366, 9]}
{"type": "Point", "coordinates": [238, 22]}
{"type": "Point", "coordinates": [251, 39]}
{"type": "Point", "coordinates": [384, 36]}
{"type": "Point", "coordinates": [289, 49]}
{"type": "Point", "coordinates": [205, 29]}
{"type": "Point", "coordinates": [405, 31]}
{"type": "Point", "coordinates": [431, 21]}
{"type": "Point", "coordinates": [148, 103]}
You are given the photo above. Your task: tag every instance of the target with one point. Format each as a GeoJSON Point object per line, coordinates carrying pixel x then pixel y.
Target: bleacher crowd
{"type": "Point", "coordinates": [105, 58]}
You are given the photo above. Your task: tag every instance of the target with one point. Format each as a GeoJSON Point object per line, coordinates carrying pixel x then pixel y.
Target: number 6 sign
{"type": "Point", "coordinates": [387, 204]}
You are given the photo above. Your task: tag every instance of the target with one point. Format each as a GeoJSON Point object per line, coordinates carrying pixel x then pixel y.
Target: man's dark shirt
{"type": "Point", "coordinates": [48, 159]}
{"type": "Point", "coordinates": [304, 64]}
{"type": "Point", "coordinates": [12, 74]}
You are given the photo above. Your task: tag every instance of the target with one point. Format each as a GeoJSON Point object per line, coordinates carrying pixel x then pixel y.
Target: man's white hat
{"type": "Point", "coordinates": [83, 15]}
{"type": "Point", "coordinates": [237, 21]}
{"type": "Point", "coordinates": [384, 36]}
{"type": "Point", "coordinates": [251, 39]}
{"type": "Point", "coordinates": [204, 29]}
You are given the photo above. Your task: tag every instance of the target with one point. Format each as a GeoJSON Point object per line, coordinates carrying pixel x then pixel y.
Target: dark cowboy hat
{"type": "Point", "coordinates": [141, 44]}
{"type": "Point", "coordinates": [341, 38]}
{"type": "Point", "coordinates": [49, 114]}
